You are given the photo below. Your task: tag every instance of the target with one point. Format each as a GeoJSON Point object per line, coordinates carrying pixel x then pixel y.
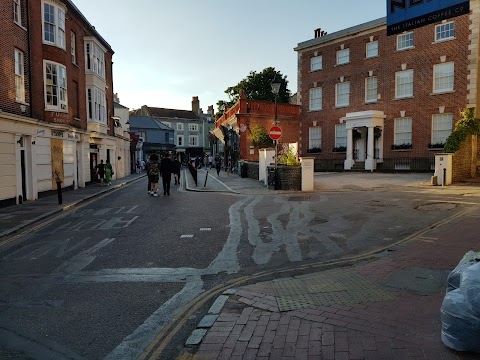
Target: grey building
{"type": "Point", "coordinates": [155, 137]}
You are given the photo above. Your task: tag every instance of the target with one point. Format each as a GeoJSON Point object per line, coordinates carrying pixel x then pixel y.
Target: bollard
{"type": "Point", "coordinates": [206, 177]}
{"type": "Point", "coordinates": [444, 182]}
{"type": "Point", "coordinates": [59, 192]}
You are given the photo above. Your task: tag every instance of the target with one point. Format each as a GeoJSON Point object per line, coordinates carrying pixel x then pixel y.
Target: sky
{"type": "Point", "coordinates": [166, 52]}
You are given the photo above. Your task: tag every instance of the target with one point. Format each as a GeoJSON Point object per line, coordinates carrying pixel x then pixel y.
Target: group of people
{"type": "Point", "coordinates": [104, 172]}
{"type": "Point", "coordinates": [164, 168]}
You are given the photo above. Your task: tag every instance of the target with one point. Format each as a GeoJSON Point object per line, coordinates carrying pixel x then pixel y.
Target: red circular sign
{"type": "Point", "coordinates": [275, 133]}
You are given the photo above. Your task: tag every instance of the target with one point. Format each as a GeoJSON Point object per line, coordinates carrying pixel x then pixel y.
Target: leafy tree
{"type": "Point", "coordinates": [257, 86]}
{"type": "Point", "coordinates": [464, 127]}
{"type": "Point", "coordinates": [260, 137]}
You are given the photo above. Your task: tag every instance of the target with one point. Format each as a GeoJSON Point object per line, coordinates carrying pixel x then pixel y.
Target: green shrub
{"type": "Point", "coordinates": [468, 125]}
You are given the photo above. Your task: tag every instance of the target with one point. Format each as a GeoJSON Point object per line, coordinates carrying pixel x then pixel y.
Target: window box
{"type": "Point", "coordinates": [314, 150]}
{"type": "Point", "coordinates": [436, 146]}
{"type": "Point", "coordinates": [402, 147]}
{"type": "Point", "coordinates": [340, 149]}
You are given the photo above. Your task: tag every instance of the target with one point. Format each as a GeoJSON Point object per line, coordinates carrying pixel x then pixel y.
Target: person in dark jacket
{"type": "Point", "coordinates": [166, 169]}
{"type": "Point", "coordinates": [176, 170]}
{"type": "Point", "coordinates": [154, 174]}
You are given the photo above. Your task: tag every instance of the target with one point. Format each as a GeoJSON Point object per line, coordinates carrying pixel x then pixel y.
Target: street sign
{"type": "Point", "coordinates": [275, 133]}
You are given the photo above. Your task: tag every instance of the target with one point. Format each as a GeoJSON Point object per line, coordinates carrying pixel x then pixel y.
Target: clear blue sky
{"type": "Point", "coordinates": [168, 51]}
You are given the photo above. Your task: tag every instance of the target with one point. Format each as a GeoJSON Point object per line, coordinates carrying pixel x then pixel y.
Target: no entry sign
{"type": "Point", "coordinates": [275, 133]}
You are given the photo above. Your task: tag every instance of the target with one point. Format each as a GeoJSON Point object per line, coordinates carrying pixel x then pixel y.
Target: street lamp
{"type": "Point", "coordinates": [276, 89]}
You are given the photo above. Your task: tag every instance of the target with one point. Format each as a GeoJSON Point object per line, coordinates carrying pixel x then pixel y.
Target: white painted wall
{"type": "Point", "coordinates": [8, 182]}
{"type": "Point", "coordinates": [43, 157]}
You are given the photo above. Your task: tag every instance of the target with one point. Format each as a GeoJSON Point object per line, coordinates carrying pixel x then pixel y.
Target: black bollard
{"type": "Point", "coordinates": [59, 192]}
{"type": "Point", "coordinates": [206, 177]}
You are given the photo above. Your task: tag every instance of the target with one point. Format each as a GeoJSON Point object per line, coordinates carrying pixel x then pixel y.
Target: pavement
{"type": "Point", "coordinates": [385, 306]}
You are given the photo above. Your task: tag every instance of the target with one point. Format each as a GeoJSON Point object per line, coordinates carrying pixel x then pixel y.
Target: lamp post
{"type": "Point", "coordinates": [276, 89]}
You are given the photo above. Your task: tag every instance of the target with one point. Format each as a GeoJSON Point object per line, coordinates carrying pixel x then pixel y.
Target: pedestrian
{"type": "Point", "coordinates": [142, 165]}
{"type": "Point", "coordinates": [154, 174]}
{"type": "Point", "coordinates": [218, 163]}
{"type": "Point", "coordinates": [210, 161]}
{"type": "Point", "coordinates": [149, 182]}
{"type": "Point", "coordinates": [197, 162]}
{"type": "Point", "coordinates": [166, 169]}
{"type": "Point", "coordinates": [176, 170]}
{"type": "Point", "coordinates": [137, 166]}
{"type": "Point", "coordinates": [108, 173]}
{"type": "Point", "coordinates": [101, 171]}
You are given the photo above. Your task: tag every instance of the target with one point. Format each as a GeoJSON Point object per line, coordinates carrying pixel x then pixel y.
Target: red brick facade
{"type": "Point", "coordinates": [420, 107]}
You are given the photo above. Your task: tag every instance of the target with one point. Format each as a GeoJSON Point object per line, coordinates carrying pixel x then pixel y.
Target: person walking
{"type": "Point", "coordinates": [154, 174]}
{"type": "Point", "coordinates": [166, 169]}
{"type": "Point", "coordinates": [142, 165]}
{"type": "Point", "coordinates": [108, 173]}
{"type": "Point", "coordinates": [210, 161]}
{"type": "Point", "coordinates": [176, 170]}
{"type": "Point", "coordinates": [137, 166]}
{"type": "Point", "coordinates": [149, 181]}
{"type": "Point", "coordinates": [218, 163]}
{"type": "Point", "coordinates": [101, 171]}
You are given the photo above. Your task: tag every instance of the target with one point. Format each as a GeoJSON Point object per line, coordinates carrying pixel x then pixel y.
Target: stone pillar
{"type": "Point", "coordinates": [307, 173]}
{"type": "Point", "coordinates": [370, 162]}
{"type": "Point", "coordinates": [349, 161]}
{"type": "Point", "coordinates": [443, 168]}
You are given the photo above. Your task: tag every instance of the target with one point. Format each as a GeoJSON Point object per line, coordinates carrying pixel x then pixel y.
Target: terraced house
{"type": "Point", "coordinates": [388, 102]}
{"type": "Point", "coordinates": [56, 100]}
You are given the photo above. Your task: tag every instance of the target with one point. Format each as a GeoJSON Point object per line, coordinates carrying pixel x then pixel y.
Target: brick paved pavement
{"type": "Point", "coordinates": [250, 325]}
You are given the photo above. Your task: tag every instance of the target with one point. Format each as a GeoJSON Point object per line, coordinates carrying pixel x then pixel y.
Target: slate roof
{"type": "Point", "coordinates": [117, 105]}
{"type": "Point", "coordinates": [169, 113]}
{"type": "Point", "coordinates": [147, 122]}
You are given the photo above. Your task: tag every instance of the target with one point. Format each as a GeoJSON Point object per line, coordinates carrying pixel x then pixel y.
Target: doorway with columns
{"type": "Point", "coordinates": [364, 143]}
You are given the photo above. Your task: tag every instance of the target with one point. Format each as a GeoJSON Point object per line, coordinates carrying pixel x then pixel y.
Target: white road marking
{"type": "Point", "coordinates": [186, 236]}
{"type": "Point", "coordinates": [205, 229]}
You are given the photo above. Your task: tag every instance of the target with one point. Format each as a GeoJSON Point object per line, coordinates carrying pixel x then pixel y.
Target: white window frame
{"type": "Point", "coordinates": [19, 76]}
{"type": "Point", "coordinates": [73, 47]}
{"type": "Point", "coordinates": [343, 56]}
{"type": "Point", "coordinates": [445, 31]}
{"type": "Point", "coordinates": [17, 12]}
{"type": "Point", "coordinates": [193, 140]}
{"type": "Point", "coordinates": [55, 24]}
{"type": "Point", "coordinates": [95, 58]}
{"type": "Point", "coordinates": [342, 94]}
{"type": "Point", "coordinates": [179, 126]}
{"type": "Point", "coordinates": [316, 63]}
{"type": "Point", "coordinates": [180, 141]}
{"type": "Point", "coordinates": [403, 131]}
{"type": "Point", "coordinates": [442, 125]}
{"type": "Point", "coordinates": [404, 84]}
{"type": "Point", "coordinates": [371, 89]}
{"type": "Point", "coordinates": [192, 127]}
{"type": "Point", "coordinates": [371, 49]}
{"type": "Point", "coordinates": [315, 99]}
{"type": "Point", "coordinates": [56, 79]}
{"type": "Point", "coordinates": [443, 77]}
{"type": "Point", "coordinates": [96, 105]}
{"type": "Point", "coordinates": [314, 137]}
{"type": "Point", "coordinates": [340, 135]}
{"type": "Point", "coordinates": [406, 41]}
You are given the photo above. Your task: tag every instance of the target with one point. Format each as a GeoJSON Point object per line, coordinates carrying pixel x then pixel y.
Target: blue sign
{"type": "Point", "coordinates": [405, 15]}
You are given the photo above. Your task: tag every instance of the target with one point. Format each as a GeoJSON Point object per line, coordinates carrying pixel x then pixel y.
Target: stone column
{"type": "Point", "coordinates": [370, 162]}
{"type": "Point", "coordinates": [349, 161]}
{"type": "Point", "coordinates": [307, 173]}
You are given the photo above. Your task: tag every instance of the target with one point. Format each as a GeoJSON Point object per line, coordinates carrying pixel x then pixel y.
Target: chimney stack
{"type": "Point", "coordinates": [318, 33]}
{"type": "Point", "coordinates": [210, 110]}
{"type": "Point", "coordinates": [195, 104]}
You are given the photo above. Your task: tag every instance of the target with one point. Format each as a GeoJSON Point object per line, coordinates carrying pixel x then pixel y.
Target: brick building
{"type": "Point", "coordinates": [233, 128]}
{"type": "Point", "coordinates": [56, 100]}
{"type": "Point", "coordinates": [386, 102]}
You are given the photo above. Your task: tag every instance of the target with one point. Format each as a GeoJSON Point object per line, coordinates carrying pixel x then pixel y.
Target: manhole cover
{"type": "Point", "coordinates": [437, 207]}
{"type": "Point", "coordinates": [419, 280]}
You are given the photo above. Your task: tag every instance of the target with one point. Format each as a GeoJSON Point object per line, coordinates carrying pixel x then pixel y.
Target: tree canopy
{"type": "Point", "coordinates": [257, 86]}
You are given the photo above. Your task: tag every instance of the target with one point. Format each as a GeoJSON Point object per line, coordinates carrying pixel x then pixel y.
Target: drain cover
{"type": "Point", "coordinates": [419, 280]}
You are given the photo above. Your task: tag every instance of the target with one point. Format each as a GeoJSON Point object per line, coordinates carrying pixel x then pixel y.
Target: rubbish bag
{"type": "Point", "coordinates": [460, 312]}
{"type": "Point", "coordinates": [453, 280]}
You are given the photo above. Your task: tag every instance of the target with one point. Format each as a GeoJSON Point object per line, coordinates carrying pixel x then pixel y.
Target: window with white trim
{"type": "Point", "coordinates": [19, 76]}
{"type": "Point", "coordinates": [96, 109]}
{"type": "Point", "coordinates": [343, 56]}
{"type": "Point", "coordinates": [441, 127]}
{"type": "Point", "coordinates": [192, 127]}
{"type": "Point", "coordinates": [404, 84]}
{"type": "Point", "coordinates": [17, 12]}
{"type": "Point", "coordinates": [371, 89]}
{"type": "Point", "coordinates": [73, 47]}
{"type": "Point", "coordinates": [53, 25]}
{"type": "Point", "coordinates": [405, 41]}
{"type": "Point", "coordinates": [179, 140]}
{"type": "Point", "coordinates": [371, 49]}
{"type": "Point", "coordinates": [316, 63]}
{"type": "Point", "coordinates": [314, 137]}
{"type": "Point", "coordinates": [316, 99]}
{"type": "Point", "coordinates": [55, 79]}
{"type": "Point", "coordinates": [342, 94]}
{"type": "Point", "coordinates": [445, 31]}
{"type": "Point", "coordinates": [443, 77]}
{"type": "Point", "coordinates": [180, 126]}
{"type": "Point", "coordinates": [403, 131]}
{"type": "Point", "coordinates": [193, 140]}
{"type": "Point", "coordinates": [95, 59]}
{"type": "Point", "coordinates": [340, 135]}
